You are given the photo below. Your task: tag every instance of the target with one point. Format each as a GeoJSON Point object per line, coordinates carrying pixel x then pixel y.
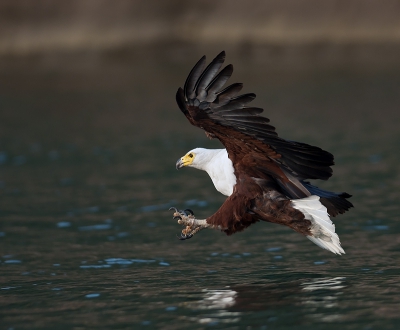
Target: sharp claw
{"type": "Point", "coordinates": [180, 238]}
{"type": "Point", "coordinates": [184, 237]}
{"type": "Point", "coordinates": [189, 211]}
{"type": "Point", "coordinates": [183, 212]}
{"type": "Point", "coordinates": [178, 215]}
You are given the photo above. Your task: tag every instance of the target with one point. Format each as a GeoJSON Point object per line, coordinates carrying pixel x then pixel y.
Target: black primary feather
{"type": "Point", "coordinates": [193, 77]}
{"type": "Point", "coordinates": [218, 82]}
{"type": "Point", "coordinates": [208, 75]}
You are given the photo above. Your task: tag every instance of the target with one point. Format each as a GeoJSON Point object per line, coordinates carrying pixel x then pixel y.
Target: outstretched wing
{"type": "Point", "coordinates": [252, 143]}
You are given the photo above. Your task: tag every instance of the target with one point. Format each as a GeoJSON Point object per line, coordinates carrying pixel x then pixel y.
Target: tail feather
{"type": "Point", "coordinates": [335, 202]}
{"type": "Point", "coordinates": [330, 246]}
{"type": "Point", "coordinates": [322, 228]}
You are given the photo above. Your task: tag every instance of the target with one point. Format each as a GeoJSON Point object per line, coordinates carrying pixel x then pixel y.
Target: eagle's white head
{"type": "Point", "coordinates": [198, 158]}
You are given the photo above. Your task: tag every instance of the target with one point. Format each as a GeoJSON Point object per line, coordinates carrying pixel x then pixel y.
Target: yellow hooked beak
{"type": "Point", "coordinates": [185, 160]}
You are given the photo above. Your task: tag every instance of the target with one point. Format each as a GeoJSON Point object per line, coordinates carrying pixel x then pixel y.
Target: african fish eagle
{"type": "Point", "coordinates": [264, 176]}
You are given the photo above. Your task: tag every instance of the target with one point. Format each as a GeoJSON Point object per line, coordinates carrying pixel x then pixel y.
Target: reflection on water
{"type": "Point", "coordinates": [323, 293]}
{"type": "Point", "coordinates": [217, 302]}
{"type": "Point", "coordinates": [229, 305]}
{"type": "Point", "coordinates": [324, 284]}
{"type": "Point", "coordinates": [218, 299]}
{"type": "Point", "coordinates": [87, 176]}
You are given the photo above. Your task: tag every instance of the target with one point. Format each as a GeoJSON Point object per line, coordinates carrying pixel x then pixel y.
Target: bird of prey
{"type": "Point", "coordinates": [264, 176]}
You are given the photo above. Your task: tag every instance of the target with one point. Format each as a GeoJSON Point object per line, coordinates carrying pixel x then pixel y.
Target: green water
{"type": "Point", "coordinates": [87, 174]}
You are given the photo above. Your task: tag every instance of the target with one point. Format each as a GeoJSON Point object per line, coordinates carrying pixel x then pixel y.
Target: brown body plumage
{"type": "Point", "coordinates": [270, 171]}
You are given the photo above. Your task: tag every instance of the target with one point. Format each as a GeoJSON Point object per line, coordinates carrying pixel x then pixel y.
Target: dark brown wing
{"type": "Point", "coordinates": [252, 143]}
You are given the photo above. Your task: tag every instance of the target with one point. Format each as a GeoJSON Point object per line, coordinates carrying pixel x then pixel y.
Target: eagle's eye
{"type": "Point", "coordinates": [191, 155]}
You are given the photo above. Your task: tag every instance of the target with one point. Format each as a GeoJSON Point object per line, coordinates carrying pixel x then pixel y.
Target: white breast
{"type": "Point", "coordinates": [221, 172]}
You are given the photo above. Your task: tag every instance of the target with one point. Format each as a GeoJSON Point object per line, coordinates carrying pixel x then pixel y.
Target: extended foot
{"type": "Point", "coordinates": [187, 219]}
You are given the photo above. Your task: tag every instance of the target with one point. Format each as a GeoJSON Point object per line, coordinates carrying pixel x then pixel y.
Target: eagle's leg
{"type": "Point", "coordinates": [192, 224]}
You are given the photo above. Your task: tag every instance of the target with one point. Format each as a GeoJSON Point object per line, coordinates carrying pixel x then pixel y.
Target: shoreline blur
{"type": "Point", "coordinates": [291, 35]}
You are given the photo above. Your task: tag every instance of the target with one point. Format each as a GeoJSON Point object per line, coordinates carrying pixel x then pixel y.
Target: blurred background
{"type": "Point", "coordinates": [89, 137]}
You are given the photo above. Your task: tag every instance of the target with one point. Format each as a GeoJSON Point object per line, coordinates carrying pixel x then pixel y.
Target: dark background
{"type": "Point", "coordinates": [89, 137]}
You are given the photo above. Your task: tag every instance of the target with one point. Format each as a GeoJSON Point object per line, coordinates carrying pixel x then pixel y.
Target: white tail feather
{"type": "Point", "coordinates": [322, 228]}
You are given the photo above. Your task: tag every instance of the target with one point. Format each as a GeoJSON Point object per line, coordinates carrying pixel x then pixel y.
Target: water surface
{"type": "Point", "coordinates": [87, 154]}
